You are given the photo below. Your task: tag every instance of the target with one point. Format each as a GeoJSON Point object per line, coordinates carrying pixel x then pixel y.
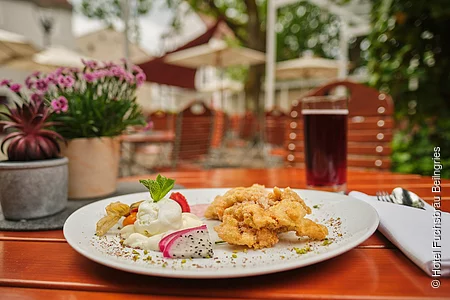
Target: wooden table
{"type": "Point", "coordinates": [41, 265]}
{"type": "Point", "coordinates": [133, 141]}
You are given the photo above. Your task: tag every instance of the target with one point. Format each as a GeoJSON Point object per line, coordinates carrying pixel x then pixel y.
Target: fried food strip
{"type": "Point", "coordinates": [114, 211]}
{"type": "Point", "coordinates": [256, 220]}
{"type": "Point", "coordinates": [255, 194]}
{"type": "Point", "coordinates": [237, 229]}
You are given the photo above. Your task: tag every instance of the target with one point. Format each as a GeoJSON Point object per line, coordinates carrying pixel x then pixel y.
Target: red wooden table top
{"type": "Point", "coordinates": [41, 265]}
{"type": "Point", "coordinates": [155, 136]}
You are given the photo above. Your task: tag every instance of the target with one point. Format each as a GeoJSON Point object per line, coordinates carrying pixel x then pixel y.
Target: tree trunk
{"type": "Point", "coordinates": [256, 40]}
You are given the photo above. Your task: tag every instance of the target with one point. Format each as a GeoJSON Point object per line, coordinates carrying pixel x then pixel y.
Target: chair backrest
{"type": "Point", "coordinates": [162, 120]}
{"type": "Point", "coordinates": [249, 126]}
{"type": "Point", "coordinates": [370, 126]}
{"type": "Point", "coordinates": [219, 128]}
{"type": "Point", "coordinates": [275, 127]}
{"type": "Point", "coordinates": [193, 132]}
{"type": "Point", "coordinates": [235, 124]}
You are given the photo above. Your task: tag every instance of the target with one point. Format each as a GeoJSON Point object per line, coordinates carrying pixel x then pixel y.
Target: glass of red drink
{"type": "Point", "coordinates": [325, 137]}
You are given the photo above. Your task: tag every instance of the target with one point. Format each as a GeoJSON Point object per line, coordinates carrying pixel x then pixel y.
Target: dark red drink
{"type": "Point", "coordinates": [326, 148]}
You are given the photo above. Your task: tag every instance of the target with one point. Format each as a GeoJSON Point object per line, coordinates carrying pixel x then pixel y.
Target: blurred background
{"type": "Point", "coordinates": [398, 47]}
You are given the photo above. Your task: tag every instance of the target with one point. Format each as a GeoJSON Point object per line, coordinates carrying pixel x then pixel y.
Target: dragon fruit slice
{"type": "Point", "coordinates": [187, 243]}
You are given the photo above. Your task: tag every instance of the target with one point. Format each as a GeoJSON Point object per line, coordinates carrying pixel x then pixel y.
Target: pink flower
{"type": "Point", "coordinates": [118, 71]}
{"type": "Point", "coordinates": [42, 85]}
{"type": "Point", "coordinates": [129, 77]}
{"type": "Point", "coordinates": [100, 74]}
{"type": "Point", "coordinates": [58, 71]}
{"type": "Point", "coordinates": [29, 82]}
{"type": "Point", "coordinates": [61, 79]}
{"type": "Point", "coordinates": [5, 82]}
{"type": "Point", "coordinates": [55, 106]}
{"type": "Point", "coordinates": [64, 104]}
{"type": "Point", "coordinates": [60, 105]}
{"type": "Point", "coordinates": [140, 78]}
{"type": "Point", "coordinates": [89, 77]}
{"type": "Point", "coordinates": [51, 78]}
{"type": "Point", "coordinates": [137, 69]}
{"type": "Point", "coordinates": [108, 64]}
{"type": "Point", "coordinates": [15, 87]}
{"type": "Point", "coordinates": [91, 64]}
{"type": "Point", "coordinates": [66, 81]}
{"type": "Point", "coordinates": [149, 126]}
{"type": "Point", "coordinates": [36, 74]}
{"type": "Point", "coordinates": [36, 97]}
{"type": "Point", "coordinates": [69, 81]}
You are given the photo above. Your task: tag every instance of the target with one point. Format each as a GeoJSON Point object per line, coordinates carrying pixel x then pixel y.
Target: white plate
{"type": "Point", "coordinates": [349, 221]}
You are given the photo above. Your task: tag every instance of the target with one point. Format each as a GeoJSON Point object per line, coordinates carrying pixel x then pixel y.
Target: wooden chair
{"type": "Point", "coordinates": [249, 126]}
{"type": "Point", "coordinates": [275, 126]}
{"type": "Point", "coordinates": [219, 128]}
{"type": "Point", "coordinates": [162, 120]}
{"type": "Point", "coordinates": [370, 126]}
{"type": "Point", "coordinates": [194, 127]}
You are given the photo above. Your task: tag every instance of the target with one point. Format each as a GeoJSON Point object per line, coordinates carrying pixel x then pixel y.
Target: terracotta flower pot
{"type": "Point", "coordinates": [93, 166]}
{"type": "Point", "coordinates": [33, 189]}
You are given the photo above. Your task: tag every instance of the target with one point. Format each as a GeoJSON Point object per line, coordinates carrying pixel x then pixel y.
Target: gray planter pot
{"type": "Point", "coordinates": [33, 189]}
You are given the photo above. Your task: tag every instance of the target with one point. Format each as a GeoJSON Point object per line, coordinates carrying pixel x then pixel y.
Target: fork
{"type": "Point", "coordinates": [384, 197]}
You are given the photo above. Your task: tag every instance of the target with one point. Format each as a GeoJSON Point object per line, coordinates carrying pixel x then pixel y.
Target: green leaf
{"type": "Point", "coordinates": [155, 190]}
{"type": "Point", "coordinates": [146, 183]}
{"type": "Point", "coordinates": [158, 188]}
{"type": "Point", "coordinates": [166, 184]}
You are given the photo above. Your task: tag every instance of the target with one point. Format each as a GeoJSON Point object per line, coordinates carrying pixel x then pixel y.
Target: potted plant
{"type": "Point", "coordinates": [95, 105]}
{"type": "Point", "coordinates": [33, 181]}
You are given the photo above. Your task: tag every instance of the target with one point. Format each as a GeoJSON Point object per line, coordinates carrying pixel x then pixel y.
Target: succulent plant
{"type": "Point", "coordinates": [30, 138]}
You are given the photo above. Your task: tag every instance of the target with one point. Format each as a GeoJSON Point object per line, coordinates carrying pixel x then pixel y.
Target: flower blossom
{"type": "Point", "coordinates": [59, 71]}
{"type": "Point", "coordinates": [60, 104]}
{"type": "Point", "coordinates": [51, 78]}
{"type": "Point", "coordinates": [42, 85]}
{"type": "Point", "coordinates": [5, 82]}
{"type": "Point", "coordinates": [137, 69]}
{"type": "Point", "coordinates": [36, 97]}
{"type": "Point", "coordinates": [149, 126]}
{"type": "Point", "coordinates": [15, 87]}
{"type": "Point", "coordinates": [118, 72]}
{"type": "Point", "coordinates": [140, 78]}
{"type": "Point", "coordinates": [29, 82]}
{"type": "Point", "coordinates": [90, 77]}
{"type": "Point", "coordinates": [91, 64]}
{"type": "Point", "coordinates": [109, 64]}
{"type": "Point", "coordinates": [66, 81]}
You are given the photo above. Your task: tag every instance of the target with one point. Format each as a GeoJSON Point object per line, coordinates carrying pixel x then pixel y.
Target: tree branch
{"type": "Point", "coordinates": [233, 25]}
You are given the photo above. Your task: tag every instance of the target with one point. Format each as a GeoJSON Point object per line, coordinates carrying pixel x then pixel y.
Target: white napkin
{"type": "Point", "coordinates": [411, 230]}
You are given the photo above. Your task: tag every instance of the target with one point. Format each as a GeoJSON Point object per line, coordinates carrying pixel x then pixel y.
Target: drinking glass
{"type": "Point", "coordinates": [325, 136]}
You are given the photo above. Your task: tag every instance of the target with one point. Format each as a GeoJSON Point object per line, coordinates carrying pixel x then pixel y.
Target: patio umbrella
{"type": "Point", "coordinates": [307, 67]}
{"type": "Point", "coordinates": [228, 85]}
{"type": "Point", "coordinates": [48, 60]}
{"type": "Point", "coordinates": [14, 46]}
{"type": "Point", "coordinates": [59, 56]}
{"type": "Point", "coordinates": [215, 53]}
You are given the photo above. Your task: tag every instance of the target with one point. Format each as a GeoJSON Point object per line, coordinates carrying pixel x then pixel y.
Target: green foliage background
{"type": "Point", "coordinates": [409, 58]}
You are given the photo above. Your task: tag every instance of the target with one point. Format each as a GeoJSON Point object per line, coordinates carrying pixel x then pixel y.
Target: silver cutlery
{"type": "Point", "coordinates": [401, 196]}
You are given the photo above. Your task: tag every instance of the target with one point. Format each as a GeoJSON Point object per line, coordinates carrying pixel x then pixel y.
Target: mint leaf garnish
{"type": "Point", "coordinates": [158, 188]}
